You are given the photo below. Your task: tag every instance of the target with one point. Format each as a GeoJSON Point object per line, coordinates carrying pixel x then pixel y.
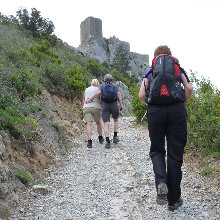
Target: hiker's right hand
{"type": "Point", "coordinates": [122, 109]}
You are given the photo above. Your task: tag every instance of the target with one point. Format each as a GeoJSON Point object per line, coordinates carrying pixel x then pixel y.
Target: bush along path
{"type": "Point", "coordinates": [113, 184]}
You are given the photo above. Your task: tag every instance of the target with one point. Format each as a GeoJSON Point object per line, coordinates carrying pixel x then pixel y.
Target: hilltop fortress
{"type": "Point", "coordinates": [96, 46]}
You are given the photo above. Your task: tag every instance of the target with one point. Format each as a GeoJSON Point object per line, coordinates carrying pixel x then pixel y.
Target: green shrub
{"type": "Point", "coordinates": [94, 67]}
{"type": "Point", "coordinates": [203, 109]}
{"type": "Point", "coordinates": [42, 51]}
{"type": "Point", "coordinates": [14, 118]}
{"type": "Point", "coordinates": [75, 80]}
{"type": "Point", "coordinates": [55, 73]}
{"type": "Point", "coordinates": [10, 112]}
{"type": "Point", "coordinates": [10, 119]}
{"type": "Point", "coordinates": [7, 100]}
{"type": "Point", "coordinates": [14, 55]}
{"type": "Point", "coordinates": [131, 81]}
{"type": "Point", "coordinates": [23, 176]}
{"type": "Point", "coordinates": [138, 107]}
{"type": "Point", "coordinates": [17, 123]}
{"type": "Point", "coordinates": [25, 83]}
{"type": "Point", "coordinates": [117, 76]}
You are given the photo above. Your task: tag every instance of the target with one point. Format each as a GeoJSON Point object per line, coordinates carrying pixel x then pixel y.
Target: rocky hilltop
{"type": "Point", "coordinates": [96, 46]}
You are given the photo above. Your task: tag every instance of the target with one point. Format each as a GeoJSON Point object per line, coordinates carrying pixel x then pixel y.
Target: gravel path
{"type": "Point", "coordinates": [114, 184]}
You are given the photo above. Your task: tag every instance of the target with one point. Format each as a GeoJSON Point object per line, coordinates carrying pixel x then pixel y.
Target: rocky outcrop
{"type": "Point", "coordinates": [94, 45]}
{"type": "Point", "coordinates": [126, 98]}
{"type": "Point", "coordinates": [139, 64]}
{"type": "Point", "coordinates": [94, 48]}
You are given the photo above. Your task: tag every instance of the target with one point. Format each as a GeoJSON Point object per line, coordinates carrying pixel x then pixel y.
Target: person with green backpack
{"type": "Point", "coordinates": [165, 89]}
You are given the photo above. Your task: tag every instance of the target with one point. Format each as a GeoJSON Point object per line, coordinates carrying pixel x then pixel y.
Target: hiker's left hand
{"type": "Point", "coordinates": [88, 100]}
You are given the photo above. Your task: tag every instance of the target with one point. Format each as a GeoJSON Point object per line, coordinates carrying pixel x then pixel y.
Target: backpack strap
{"type": "Point", "coordinates": [184, 72]}
{"type": "Point", "coordinates": [145, 86]}
{"type": "Point", "coordinates": [146, 75]}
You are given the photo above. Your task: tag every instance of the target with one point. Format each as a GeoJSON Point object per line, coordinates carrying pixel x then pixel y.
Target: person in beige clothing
{"type": "Point", "coordinates": [92, 112]}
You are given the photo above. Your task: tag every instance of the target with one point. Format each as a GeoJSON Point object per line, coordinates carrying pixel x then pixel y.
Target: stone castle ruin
{"type": "Point", "coordinates": [91, 27]}
{"type": "Point", "coordinates": [97, 47]}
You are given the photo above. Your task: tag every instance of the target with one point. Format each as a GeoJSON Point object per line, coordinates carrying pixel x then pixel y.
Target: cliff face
{"type": "Point", "coordinates": [94, 45]}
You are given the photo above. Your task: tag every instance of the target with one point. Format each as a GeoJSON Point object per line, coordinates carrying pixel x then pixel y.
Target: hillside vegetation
{"type": "Point", "coordinates": [33, 59]}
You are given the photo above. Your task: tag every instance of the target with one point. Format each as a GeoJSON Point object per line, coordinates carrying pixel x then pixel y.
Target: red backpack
{"type": "Point", "coordinates": [166, 86]}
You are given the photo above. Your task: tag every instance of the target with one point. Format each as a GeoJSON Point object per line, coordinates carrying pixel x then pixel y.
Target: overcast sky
{"type": "Point", "coordinates": [191, 28]}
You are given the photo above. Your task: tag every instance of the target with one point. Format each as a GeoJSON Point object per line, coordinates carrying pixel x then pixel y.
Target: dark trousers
{"type": "Point", "coordinates": [168, 122]}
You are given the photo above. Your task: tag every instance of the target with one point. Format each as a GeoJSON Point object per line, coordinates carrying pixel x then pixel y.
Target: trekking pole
{"type": "Point", "coordinates": [143, 116]}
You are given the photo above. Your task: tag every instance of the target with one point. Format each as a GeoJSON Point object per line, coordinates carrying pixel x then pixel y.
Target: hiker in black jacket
{"type": "Point", "coordinates": [110, 94]}
{"type": "Point", "coordinates": [161, 90]}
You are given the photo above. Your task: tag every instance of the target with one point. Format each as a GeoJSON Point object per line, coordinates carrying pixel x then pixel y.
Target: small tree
{"type": "Point", "coordinates": [35, 23]}
{"type": "Point", "coordinates": [6, 20]}
{"type": "Point", "coordinates": [121, 60]}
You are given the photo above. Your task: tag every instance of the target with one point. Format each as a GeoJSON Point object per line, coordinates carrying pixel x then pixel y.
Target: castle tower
{"type": "Point", "coordinates": [93, 44]}
{"type": "Point", "coordinates": [91, 27]}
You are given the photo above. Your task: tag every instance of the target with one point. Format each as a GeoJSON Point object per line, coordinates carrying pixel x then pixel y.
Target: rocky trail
{"type": "Point", "coordinates": [114, 184]}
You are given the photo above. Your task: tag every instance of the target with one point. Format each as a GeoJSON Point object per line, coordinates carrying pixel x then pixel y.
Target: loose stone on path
{"type": "Point", "coordinates": [114, 184]}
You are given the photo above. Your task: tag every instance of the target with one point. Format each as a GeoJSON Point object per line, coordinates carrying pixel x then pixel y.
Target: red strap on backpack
{"type": "Point", "coordinates": [177, 68]}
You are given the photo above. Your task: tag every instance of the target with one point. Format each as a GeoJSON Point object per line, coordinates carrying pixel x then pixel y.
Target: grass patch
{"type": "Point", "coordinates": [210, 152]}
{"type": "Point", "coordinates": [36, 108]}
{"type": "Point", "coordinates": [56, 125]}
{"type": "Point", "coordinates": [23, 176]}
{"type": "Point", "coordinates": [216, 154]}
{"type": "Point", "coordinates": [208, 170]}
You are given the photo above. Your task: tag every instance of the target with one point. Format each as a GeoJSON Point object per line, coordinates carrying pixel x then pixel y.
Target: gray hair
{"type": "Point", "coordinates": [108, 78]}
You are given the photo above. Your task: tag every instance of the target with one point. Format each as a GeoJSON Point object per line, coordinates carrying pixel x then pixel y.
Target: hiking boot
{"type": "Point", "coordinates": [175, 206]}
{"type": "Point", "coordinates": [162, 191]}
{"type": "Point", "coordinates": [89, 145]}
{"type": "Point", "coordinates": [115, 139]}
{"type": "Point", "coordinates": [107, 145]}
{"type": "Point", "coordinates": [101, 140]}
